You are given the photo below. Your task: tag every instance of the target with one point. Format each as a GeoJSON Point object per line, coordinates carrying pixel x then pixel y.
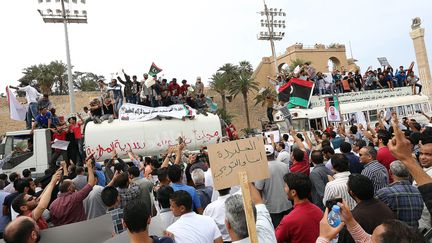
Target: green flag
{"type": "Point", "coordinates": [154, 70]}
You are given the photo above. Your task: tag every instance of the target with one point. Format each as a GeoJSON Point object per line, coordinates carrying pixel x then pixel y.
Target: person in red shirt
{"type": "Point", "coordinates": [184, 87]}
{"type": "Point", "coordinates": [68, 207]}
{"type": "Point", "coordinates": [27, 205]}
{"type": "Point", "coordinates": [301, 225]}
{"type": "Point", "coordinates": [299, 157]}
{"type": "Point", "coordinates": [59, 133]}
{"type": "Point", "coordinates": [174, 88]}
{"type": "Point", "coordinates": [75, 128]}
{"type": "Point", "coordinates": [383, 155]}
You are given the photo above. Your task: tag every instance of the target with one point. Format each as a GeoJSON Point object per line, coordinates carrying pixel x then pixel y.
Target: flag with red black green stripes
{"type": "Point", "coordinates": [297, 92]}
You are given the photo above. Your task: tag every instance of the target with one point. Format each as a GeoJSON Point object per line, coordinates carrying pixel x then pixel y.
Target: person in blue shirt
{"type": "Point", "coordinates": [175, 174]}
{"type": "Point", "coordinates": [43, 119]}
{"type": "Point", "coordinates": [401, 79]}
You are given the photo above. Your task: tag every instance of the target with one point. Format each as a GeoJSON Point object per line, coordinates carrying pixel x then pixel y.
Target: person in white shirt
{"type": "Point", "coordinates": [93, 204]}
{"type": "Point", "coordinates": [32, 96]}
{"type": "Point", "coordinates": [337, 186]}
{"type": "Point", "coordinates": [281, 153]}
{"type": "Point", "coordinates": [216, 210]}
{"type": "Point", "coordinates": [191, 227]}
{"type": "Point", "coordinates": [165, 214]}
{"type": "Point", "coordinates": [236, 218]}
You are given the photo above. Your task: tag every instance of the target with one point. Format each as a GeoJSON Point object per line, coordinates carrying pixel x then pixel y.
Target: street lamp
{"type": "Point", "coordinates": [271, 22]}
{"type": "Point", "coordinates": [65, 16]}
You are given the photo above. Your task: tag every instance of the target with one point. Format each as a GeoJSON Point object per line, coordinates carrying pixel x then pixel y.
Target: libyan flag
{"type": "Point", "coordinates": [154, 70]}
{"type": "Point", "coordinates": [297, 92]}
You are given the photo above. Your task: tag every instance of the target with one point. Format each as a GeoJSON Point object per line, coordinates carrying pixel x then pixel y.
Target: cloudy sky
{"type": "Point", "coordinates": [192, 38]}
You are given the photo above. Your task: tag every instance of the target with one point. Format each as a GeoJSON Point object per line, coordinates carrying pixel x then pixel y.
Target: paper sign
{"type": "Point", "coordinates": [227, 159]}
{"type": "Point", "coordinates": [60, 144]}
{"type": "Point", "coordinates": [383, 61]}
{"type": "Point", "coordinates": [276, 135]}
{"type": "Point", "coordinates": [98, 229]}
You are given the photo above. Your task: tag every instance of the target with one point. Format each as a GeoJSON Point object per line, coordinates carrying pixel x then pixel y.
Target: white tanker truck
{"type": "Point", "coordinates": [142, 137]}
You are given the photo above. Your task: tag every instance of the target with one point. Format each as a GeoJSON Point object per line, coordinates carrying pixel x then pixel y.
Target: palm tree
{"type": "Point", "coordinates": [296, 62]}
{"type": "Point", "coordinates": [231, 72]}
{"type": "Point", "coordinates": [243, 85]}
{"type": "Point", "coordinates": [219, 84]}
{"type": "Point", "coordinates": [246, 67]}
{"type": "Point", "coordinates": [59, 70]}
{"type": "Point", "coordinates": [260, 98]}
{"type": "Point", "coordinates": [43, 76]}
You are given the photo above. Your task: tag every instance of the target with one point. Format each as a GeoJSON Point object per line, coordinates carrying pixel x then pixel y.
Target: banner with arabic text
{"type": "Point", "coordinates": [132, 112]}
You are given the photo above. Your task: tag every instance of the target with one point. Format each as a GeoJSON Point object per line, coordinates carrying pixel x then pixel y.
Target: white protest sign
{"type": "Point", "coordinates": [60, 144]}
{"type": "Point", "coordinates": [227, 159]}
{"type": "Point", "coordinates": [132, 112]}
{"type": "Point", "coordinates": [361, 119]}
{"type": "Point", "coordinates": [276, 135]}
{"type": "Point", "coordinates": [383, 61]}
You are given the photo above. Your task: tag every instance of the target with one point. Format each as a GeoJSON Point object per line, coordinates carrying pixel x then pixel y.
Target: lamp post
{"type": "Point", "coordinates": [65, 16]}
{"type": "Point", "coordinates": [271, 22]}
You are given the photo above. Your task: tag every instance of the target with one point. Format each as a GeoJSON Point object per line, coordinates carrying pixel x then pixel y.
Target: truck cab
{"type": "Point", "coordinates": [22, 150]}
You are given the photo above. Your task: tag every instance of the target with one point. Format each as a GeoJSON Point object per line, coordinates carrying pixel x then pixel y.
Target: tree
{"type": "Point", "coordinates": [40, 76]}
{"type": "Point", "coordinates": [224, 115]}
{"type": "Point", "coordinates": [243, 85]}
{"type": "Point", "coordinates": [230, 71]}
{"type": "Point", "coordinates": [86, 81]}
{"type": "Point", "coordinates": [219, 83]}
{"type": "Point", "coordinates": [260, 98]}
{"type": "Point", "coordinates": [297, 62]}
{"type": "Point", "coordinates": [245, 67]}
{"type": "Point", "coordinates": [45, 76]}
{"type": "Point", "coordinates": [59, 70]}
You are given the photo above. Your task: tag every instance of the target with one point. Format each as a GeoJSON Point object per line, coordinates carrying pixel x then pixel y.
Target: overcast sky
{"type": "Point", "coordinates": [192, 38]}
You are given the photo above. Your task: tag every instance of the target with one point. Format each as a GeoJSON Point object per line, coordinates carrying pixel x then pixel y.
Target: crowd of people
{"type": "Point", "coordinates": [149, 91]}
{"type": "Point", "coordinates": [380, 177]}
{"type": "Point", "coordinates": [353, 81]}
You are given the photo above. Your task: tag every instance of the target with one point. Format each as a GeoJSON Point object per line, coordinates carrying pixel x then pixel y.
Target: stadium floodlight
{"type": "Point", "coordinates": [64, 16]}
{"type": "Point", "coordinates": [270, 22]}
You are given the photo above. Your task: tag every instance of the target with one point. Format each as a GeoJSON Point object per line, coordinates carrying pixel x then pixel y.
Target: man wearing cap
{"type": "Point", "coordinates": [272, 188]}
{"type": "Point", "coordinates": [32, 95]}
{"type": "Point", "coordinates": [199, 86]}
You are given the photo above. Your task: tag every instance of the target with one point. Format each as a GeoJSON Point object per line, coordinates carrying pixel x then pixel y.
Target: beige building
{"type": "Point", "coordinates": [319, 55]}
{"type": "Point", "coordinates": [417, 35]}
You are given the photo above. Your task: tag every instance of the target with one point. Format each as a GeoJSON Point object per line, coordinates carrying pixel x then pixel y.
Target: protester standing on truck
{"type": "Point", "coordinates": [32, 96]}
{"type": "Point", "coordinates": [75, 128]}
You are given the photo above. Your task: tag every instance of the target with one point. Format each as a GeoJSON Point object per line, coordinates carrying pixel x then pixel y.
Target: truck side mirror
{"type": "Point", "coordinates": [2, 148]}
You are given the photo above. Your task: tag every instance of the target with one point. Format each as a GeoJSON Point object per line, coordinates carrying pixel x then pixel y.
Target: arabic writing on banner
{"type": "Point", "coordinates": [227, 159]}
{"type": "Point", "coordinates": [132, 112]}
{"type": "Point", "coordinates": [352, 97]}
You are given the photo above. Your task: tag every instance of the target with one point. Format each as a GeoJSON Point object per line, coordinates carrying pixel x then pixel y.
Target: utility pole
{"type": "Point", "coordinates": [66, 17]}
{"type": "Point", "coordinates": [271, 23]}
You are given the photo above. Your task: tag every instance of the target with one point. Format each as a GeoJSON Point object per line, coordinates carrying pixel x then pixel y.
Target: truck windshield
{"type": "Point", "coordinates": [19, 143]}
{"type": "Point", "coordinates": [301, 123]}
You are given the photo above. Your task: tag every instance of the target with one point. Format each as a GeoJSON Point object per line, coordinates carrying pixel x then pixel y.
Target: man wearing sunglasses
{"type": "Point", "coordinates": [27, 205]}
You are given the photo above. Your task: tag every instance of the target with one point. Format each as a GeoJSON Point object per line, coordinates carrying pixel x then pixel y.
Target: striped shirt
{"type": "Point", "coordinates": [377, 173]}
{"type": "Point", "coordinates": [338, 188]}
